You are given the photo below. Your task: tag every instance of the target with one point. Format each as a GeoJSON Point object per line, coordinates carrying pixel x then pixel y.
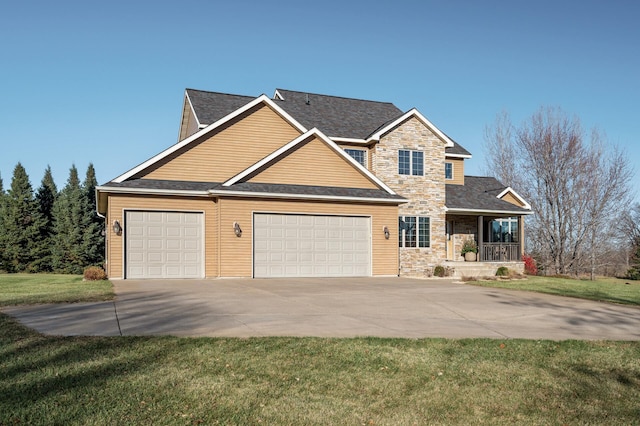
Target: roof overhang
{"type": "Point", "coordinates": [251, 194]}
{"type": "Point", "coordinates": [481, 212]}
{"type": "Point", "coordinates": [456, 155]}
{"type": "Point", "coordinates": [412, 113]}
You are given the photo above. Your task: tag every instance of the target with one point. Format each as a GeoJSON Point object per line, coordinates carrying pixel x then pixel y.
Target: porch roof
{"type": "Point", "coordinates": [478, 195]}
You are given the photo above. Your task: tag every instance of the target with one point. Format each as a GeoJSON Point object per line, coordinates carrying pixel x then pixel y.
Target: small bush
{"type": "Point", "coordinates": [94, 273]}
{"type": "Point", "coordinates": [530, 267]}
{"type": "Point", "coordinates": [439, 271]}
{"type": "Point", "coordinates": [502, 271]}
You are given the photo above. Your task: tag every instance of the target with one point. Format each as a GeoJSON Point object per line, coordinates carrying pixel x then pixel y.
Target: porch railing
{"type": "Point", "coordinates": [500, 252]}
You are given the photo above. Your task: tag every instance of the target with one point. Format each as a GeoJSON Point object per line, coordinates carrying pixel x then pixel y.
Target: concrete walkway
{"type": "Point", "coordinates": [339, 307]}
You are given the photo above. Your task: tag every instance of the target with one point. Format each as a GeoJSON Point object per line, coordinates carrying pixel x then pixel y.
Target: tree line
{"type": "Point", "coordinates": [47, 230]}
{"type": "Point", "coordinates": [579, 187]}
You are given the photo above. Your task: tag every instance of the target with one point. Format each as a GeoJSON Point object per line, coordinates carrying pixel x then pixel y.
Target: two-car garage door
{"type": "Point", "coordinates": [164, 244]}
{"type": "Point", "coordinates": [289, 245]}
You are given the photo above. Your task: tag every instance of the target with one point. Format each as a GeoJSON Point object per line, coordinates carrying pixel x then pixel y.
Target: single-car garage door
{"type": "Point", "coordinates": [164, 244]}
{"type": "Point", "coordinates": [287, 245]}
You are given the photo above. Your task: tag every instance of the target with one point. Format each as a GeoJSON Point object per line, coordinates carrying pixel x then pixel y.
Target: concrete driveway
{"type": "Point", "coordinates": [339, 307]}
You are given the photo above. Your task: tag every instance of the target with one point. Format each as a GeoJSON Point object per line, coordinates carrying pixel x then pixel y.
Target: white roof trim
{"type": "Point", "coordinates": [457, 155]}
{"type": "Point", "coordinates": [296, 141]}
{"type": "Point", "coordinates": [481, 211]}
{"type": "Point", "coordinates": [192, 109]}
{"type": "Point", "coordinates": [277, 95]}
{"type": "Point", "coordinates": [124, 190]}
{"type": "Point", "coordinates": [515, 194]}
{"type": "Point", "coordinates": [303, 196]}
{"type": "Point", "coordinates": [213, 126]}
{"type": "Point", "coordinates": [350, 140]}
{"type": "Point", "coordinates": [415, 113]}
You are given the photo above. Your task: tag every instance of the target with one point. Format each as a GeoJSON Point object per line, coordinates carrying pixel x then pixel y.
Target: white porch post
{"type": "Point", "coordinates": [480, 239]}
{"type": "Point", "coordinates": [521, 228]}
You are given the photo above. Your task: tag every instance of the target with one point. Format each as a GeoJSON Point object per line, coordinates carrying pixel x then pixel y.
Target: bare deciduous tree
{"type": "Point", "coordinates": [575, 186]}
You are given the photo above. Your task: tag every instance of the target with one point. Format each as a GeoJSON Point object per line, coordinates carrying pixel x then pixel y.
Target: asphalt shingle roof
{"type": "Point", "coordinates": [479, 193]}
{"type": "Point", "coordinates": [174, 185]}
{"type": "Point", "coordinates": [211, 106]}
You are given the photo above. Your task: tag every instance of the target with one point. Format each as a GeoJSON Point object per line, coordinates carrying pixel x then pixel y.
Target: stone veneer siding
{"type": "Point", "coordinates": [426, 193]}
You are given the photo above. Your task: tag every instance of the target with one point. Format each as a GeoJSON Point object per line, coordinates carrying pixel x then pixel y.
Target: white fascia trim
{"type": "Point", "coordinates": [245, 194]}
{"type": "Point", "coordinates": [152, 191]}
{"type": "Point", "coordinates": [415, 113]}
{"type": "Point", "coordinates": [350, 140]}
{"type": "Point", "coordinates": [277, 95]}
{"type": "Point", "coordinates": [457, 155]}
{"type": "Point", "coordinates": [515, 194]}
{"type": "Point", "coordinates": [475, 211]}
{"type": "Point", "coordinates": [200, 126]}
{"type": "Point", "coordinates": [223, 120]}
{"type": "Point", "coordinates": [296, 141]}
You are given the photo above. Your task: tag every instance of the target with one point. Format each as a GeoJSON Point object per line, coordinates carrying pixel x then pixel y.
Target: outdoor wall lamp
{"type": "Point", "coordinates": [117, 228]}
{"type": "Point", "coordinates": [386, 233]}
{"type": "Point", "coordinates": [236, 229]}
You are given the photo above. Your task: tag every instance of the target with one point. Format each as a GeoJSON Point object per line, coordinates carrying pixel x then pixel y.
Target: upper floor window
{"type": "Point", "coordinates": [448, 171]}
{"type": "Point", "coordinates": [359, 155]}
{"type": "Point", "coordinates": [410, 162]}
{"type": "Point", "coordinates": [414, 231]}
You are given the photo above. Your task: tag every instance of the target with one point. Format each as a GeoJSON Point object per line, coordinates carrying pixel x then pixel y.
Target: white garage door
{"type": "Point", "coordinates": [311, 246]}
{"type": "Point", "coordinates": [164, 245]}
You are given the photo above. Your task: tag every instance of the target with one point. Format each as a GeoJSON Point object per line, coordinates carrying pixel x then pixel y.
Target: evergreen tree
{"type": "Point", "coordinates": [45, 196]}
{"type": "Point", "coordinates": [93, 238]}
{"type": "Point", "coordinates": [2, 264]}
{"type": "Point", "coordinates": [21, 223]}
{"type": "Point", "coordinates": [69, 223]}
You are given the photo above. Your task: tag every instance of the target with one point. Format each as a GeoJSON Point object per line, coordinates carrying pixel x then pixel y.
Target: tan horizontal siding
{"type": "Point", "coordinates": [229, 150]}
{"type": "Point", "coordinates": [314, 163]}
{"type": "Point", "coordinates": [458, 171]}
{"type": "Point", "coordinates": [119, 203]}
{"type": "Point", "coordinates": [509, 198]}
{"type": "Point", "coordinates": [236, 258]}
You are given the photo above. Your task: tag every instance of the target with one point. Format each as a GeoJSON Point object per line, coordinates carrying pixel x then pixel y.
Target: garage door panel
{"type": "Point", "coordinates": [288, 245]}
{"type": "Point", "coordinates": [164, 245]}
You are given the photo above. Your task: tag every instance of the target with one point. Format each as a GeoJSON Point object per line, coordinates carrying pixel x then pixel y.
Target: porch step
{"type": "Point", "coordinates": [481, 269]}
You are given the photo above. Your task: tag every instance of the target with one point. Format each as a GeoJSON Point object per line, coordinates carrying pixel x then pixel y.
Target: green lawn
{"type": "Point", "coordinates": [612, 290]}
{"type": "Point", "coordinates": [21, 289]}
{"type": "Point", "coordinates": [167, 380]}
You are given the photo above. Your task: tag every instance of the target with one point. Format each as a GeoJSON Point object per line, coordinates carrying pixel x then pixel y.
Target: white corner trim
{"type": "Point", "coordinates": [277, 95]}
{"type": "Point", "coordinates": [207, 129]}
{"type": "Point", "coordinates": [313, 132]}
{"type": "Point", "coordinates": [219, 192]}
{"type": "Point", "coordinates": [515, 194]}
{"type": "Point", "coordinates": [413, 113]}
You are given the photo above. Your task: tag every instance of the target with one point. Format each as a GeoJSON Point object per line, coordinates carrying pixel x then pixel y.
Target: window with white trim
{"type": "Point", "coordinates": [410, 162]}
{"type": "Point", "coordinates": [358, 154]}
{"type": "Point", "coordinates": [414, 231]}
{"type": "Point", "coordinates": [448, 171]}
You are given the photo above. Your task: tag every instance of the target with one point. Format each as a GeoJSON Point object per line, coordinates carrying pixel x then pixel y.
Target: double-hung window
{"type": "Point", "coordinates": [414, 231]}
{"type": "Point", "coordinates": [410, 162]}
{"type": "Point", "coordinates": [448, 171]}
{"type": "Point", "coordinates": [358, 154]}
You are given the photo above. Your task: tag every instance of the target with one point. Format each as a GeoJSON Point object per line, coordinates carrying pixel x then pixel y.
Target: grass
{"type": "Point", "coordinates": [311, 381]}
{"type": "Point", "coordinates": [611, 290]}
{"type": "Point", "coordinates": [27, 289]}
{"type": "Point", "coordinates": [167, 380]}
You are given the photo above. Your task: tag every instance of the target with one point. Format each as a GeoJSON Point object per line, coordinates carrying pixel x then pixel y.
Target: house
{"type": "Point", "coordinates": [302, 184]}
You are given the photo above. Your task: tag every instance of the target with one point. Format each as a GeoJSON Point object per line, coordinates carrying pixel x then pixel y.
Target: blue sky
{"type": "Point", "coordinates": [103, 82]}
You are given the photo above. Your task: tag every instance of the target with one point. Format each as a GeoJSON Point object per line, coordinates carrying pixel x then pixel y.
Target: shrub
{"type": "Point", "coordinates": [502, 271]}
{"type": "Point", "coordinates": [94, 273]}
{"type": "Point", "coordinates": [439, 271]}
{"type": "Point", "coordinates": [530, 267]}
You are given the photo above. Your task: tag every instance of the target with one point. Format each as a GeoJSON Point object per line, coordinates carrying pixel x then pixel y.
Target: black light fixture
{"type": "Point", "coordinates": [236, 229]}
{"type": "Point", "coordinates": [386, 233]}
{"type": "Point", "coordinates": [117, 228]}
